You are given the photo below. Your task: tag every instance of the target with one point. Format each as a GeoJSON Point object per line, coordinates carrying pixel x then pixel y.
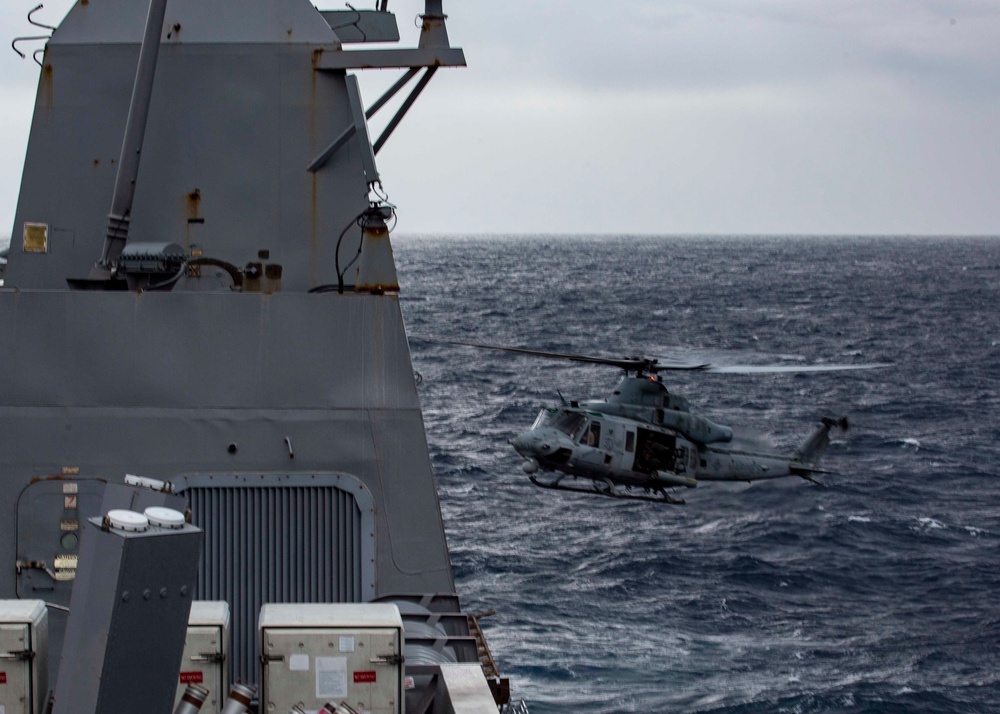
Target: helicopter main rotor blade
{"type": "Point", "coordinates": [649, 365]}
{"type": "Point", "coordinates": [786, 368]}
{"type": "Point", "coordinates": [626, 363]}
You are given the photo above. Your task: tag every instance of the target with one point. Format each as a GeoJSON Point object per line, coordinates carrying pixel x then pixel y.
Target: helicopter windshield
{"type": "Point", "coordinates": [543, 417]}
{"type": "Point", "coordinates": [568, 423]}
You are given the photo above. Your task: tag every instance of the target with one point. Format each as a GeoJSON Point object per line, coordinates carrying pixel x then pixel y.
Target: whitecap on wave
{"type": "Point", "coordinates": [458, 489]}
{"type": "Point", "coordinates": [907, 443]}
{"type": "Point", "coordinates": [710, 527]}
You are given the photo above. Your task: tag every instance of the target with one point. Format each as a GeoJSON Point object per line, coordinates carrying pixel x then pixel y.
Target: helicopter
{"type": "Point", "coordinates": [643, 439]}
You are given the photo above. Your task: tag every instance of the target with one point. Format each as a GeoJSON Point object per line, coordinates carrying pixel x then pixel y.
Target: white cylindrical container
{"type": "Point", "coordinates": [164, 517]}
{"type": "Point", "coordinates": [240, 696]}
{"type": "Point", "coordinates": [331, 708]}
{"type": "Point", "coordinates": [130, 521]}
{"type": "Point", "coordinates": [192, 699]}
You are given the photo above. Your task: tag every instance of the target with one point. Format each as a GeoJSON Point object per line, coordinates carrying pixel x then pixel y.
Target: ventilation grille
{"type": "Point", "coordinates": [278, 544]}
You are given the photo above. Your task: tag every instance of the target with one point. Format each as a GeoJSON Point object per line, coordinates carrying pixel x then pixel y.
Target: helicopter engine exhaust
{"type": "Point", "coordinates": [694, 426]}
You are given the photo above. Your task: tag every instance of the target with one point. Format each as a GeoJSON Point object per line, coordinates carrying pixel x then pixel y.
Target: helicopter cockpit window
{"type": "Point", "coordinates": [592, 436]}
{"type": "Point", "coordinates": [568, 423]}
{"type": "Point", "coordinates": [543, 418]}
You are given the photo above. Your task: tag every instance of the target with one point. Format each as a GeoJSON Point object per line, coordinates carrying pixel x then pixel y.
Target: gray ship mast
{"type": "Point", "coordinates": [135, 130]}
{"type": "Point", "coordinates": [231, 327]}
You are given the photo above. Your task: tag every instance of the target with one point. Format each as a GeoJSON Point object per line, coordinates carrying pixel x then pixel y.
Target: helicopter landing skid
{"type": "Point", "coordinates": [604, 488]}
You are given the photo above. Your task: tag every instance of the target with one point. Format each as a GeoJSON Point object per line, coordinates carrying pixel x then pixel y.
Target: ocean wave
{"type": "Point", "coordinates": [875, 592]}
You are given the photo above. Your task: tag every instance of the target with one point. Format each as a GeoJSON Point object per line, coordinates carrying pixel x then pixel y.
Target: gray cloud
{"type": "Point", "coordinates": [690, 116]}
{"type": "Point", "coordinates": [732, 43]}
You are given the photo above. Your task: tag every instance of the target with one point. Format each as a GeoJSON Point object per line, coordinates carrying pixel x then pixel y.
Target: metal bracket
{"type": "Point", "coordinates": [361, 129]}
{"type": "Point", "coordinates": [25, 655]}
{"type": "Point", "coordinates": [324, 156]}
{"type": "Point", "coordinates": [405, 107]}
{"type": "Point", "coordinates": [332, 148]}
{"type": "Point", "coordinates": [35, 565]}
{"type": "Point", "coordinates": [393, 659]}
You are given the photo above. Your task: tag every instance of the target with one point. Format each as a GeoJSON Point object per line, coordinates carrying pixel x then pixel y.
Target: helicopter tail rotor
{"type": "Point", "coordinates": [841, 423]}
{"type": "Point", "coordinates": [815, 446]}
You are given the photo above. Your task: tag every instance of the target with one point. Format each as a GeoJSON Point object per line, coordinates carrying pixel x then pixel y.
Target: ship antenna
{"type": "Point", "coordinates": [33, 38]}
{"type": "Point", "coordinates": [35, 22]}
{"type": "Point", "coordinates": [135, 131]}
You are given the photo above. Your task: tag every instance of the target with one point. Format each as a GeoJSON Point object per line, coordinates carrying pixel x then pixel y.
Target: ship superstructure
{"type": "Point", "coordinates": [190, 307]}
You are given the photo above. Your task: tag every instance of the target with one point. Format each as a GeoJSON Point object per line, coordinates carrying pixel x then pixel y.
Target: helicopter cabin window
{"type": "Point", "coordinates": [592, 436]}
{"type": "Point", "coordinates": [629, 441]}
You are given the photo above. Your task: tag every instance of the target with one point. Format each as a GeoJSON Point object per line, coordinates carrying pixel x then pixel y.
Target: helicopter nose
{"type": "Point", "coordinates": [520, 443]}
{"type": "Point", "coordinates": [531, 444]}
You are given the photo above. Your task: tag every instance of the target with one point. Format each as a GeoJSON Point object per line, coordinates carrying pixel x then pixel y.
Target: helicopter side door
{"type": "Point", "coordinates": [595, 450]}
{"type": "Point", "coordinates": [627, 449]}
{"type": "Point", "coordinates": [616, 433]}
{"type": "Point", "coordinates": [658, 451]}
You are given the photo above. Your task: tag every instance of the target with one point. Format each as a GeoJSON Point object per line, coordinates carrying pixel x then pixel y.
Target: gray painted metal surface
{"type": "Point", "coordinates": [161, 384]}
{"type": "Point", "coordinates": [362, 25]}
{"type": "Point", "coordinates": [237, 112]}
{"type": "Point", "coordinates": [208, 384]}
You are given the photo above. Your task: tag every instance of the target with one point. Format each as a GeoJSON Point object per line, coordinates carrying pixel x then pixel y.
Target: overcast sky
{"type": "Point", "coordinates": [676, 116]}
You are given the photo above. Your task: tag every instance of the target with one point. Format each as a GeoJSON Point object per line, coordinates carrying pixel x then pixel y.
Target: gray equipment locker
{"type": "Point", "coordinates": [206, 651]}
{"type": "Point", "coordinates": [24, 667]}
{"type": "Point", "coordinates": [317, 653]}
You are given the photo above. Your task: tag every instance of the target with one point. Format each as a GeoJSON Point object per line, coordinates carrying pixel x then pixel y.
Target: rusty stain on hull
{"type": "Point", "coordinates": [194, 204]}
{"type": "Point", "coordinates": [47, 86]}
{"type": "Point", "coordinates": [194, 217]}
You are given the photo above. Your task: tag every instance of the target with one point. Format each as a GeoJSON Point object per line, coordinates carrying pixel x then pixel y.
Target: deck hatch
{"type": "Point", "coordinates": [280, 538]}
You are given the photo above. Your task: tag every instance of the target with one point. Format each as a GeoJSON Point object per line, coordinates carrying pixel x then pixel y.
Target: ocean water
{"type": "Point", "coordinates": [878, 591]}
